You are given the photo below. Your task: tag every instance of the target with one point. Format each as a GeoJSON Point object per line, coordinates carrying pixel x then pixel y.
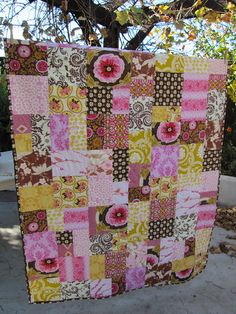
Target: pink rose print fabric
{"type": "Point", "coordinates": [117, 157]}
{"type": "Point", "coordinates": [40, 245]}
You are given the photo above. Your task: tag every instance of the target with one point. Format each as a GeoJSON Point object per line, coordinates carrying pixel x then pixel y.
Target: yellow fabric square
{"type": "Point", "coordinates": [78, 131]}
{"type": "Point", "coordinates": [23, 143]}
{"type": "Point", "coordinates": [55, 219]}
{"type": "Point", "coordinates": [191, 158]}
{"type": "Point", "coordinates": [140, 147]}
{"type": "Point", "coordinates": [97, 267]}
{"type": "Point", "coordinates": [45, 290]}
{"type": "Point", "coordinates": [36, 197]}
{"type": "Point", "coordinates": [164, 187]}
{"type": "Point", "coordinates": [138, 212]}
{"type": "Point", "coordinates": [182, 264]}
{"type": "Point", "coordinates": [203, 237]}
{"type": "Point", "coordinates": [196, 65]}
{"type": "Point", "coordinates": [189, 179]}
{"type": "Point", "coordinates": [166, 113]}
{"type": "Point", "coordinates": [169, 63]}
{"type": "Point", "coordinates": [70, 191]}
{"type": "Point", "coordinates": [67, 99]}
{"type": "Point", "coordinates": [137, 232]}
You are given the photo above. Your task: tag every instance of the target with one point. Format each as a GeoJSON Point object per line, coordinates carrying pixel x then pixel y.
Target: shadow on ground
{"type": "Point", "coordinates": [212, 292]}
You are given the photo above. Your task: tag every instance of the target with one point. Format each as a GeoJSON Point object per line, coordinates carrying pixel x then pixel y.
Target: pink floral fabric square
{"type": "Point", "coordinates": [59, 132]}
{"type": "Point", "coordinates": [135, 278]}
{"type": "Point", "coordinates": [40, 245]}
{"type": "Point", "coordinates": [27, 89]}
{"type": "Point", "coordinates": [164, 161]}
{"type": "Point", "coordinates": [100, 194]}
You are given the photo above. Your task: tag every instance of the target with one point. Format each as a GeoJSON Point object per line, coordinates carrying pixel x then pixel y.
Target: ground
{"type": "Point", "coordinates": [212, 292]}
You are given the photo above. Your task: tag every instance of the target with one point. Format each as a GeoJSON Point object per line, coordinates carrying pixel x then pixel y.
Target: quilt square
{"type": "Point", "coordinates": [34, 221]}
{"type": "Point", "coordinates": [40, 245]}
{"type": "Point", "coordinates": [116, 131]}
{"type": "Point", "coordinates": [120, 99]}
{"type": "Point", "coordinates": [27, 58]}
{"type": "Point", "coordinates": [95, 131]}
{"type": "Point", "coordinates": [99, 100]}
{"type": "Point", "coordinates": [67, 65]}
{"type": "Point", "coordinates": [164, 161]}
{"type": "Point", "coordinates": [67, 99]}
{"type": "Point", "coordinates": [28, 89]}
{"type": "Point", "coordinates": [140, 113]}
{"type": "Point", "coordinates": [140, 147]}
{"type": "Point", "coordinates": [108, 68]}
{"type": "Point", "coordinates": [21, 123]}
{"type": "Point", "coordinates": [34, 169]}
{"type": "Point", "coordinates": [70, 192]}
{"type": "Point", "coordinates": [168, 89]}
{"type": "Point", "coordinates": [143, 65]}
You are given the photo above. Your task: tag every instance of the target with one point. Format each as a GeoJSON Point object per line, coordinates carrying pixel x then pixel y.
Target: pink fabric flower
{"type": "Point", "coordinates": [89, 132]}
{"type": "Point", "coordinates": [41, 215]}
{"type": "Point", "coordinates": [42, 66]}
{"type": "Point", "coordinates": [24, 51]}
{"type": "Point", "coordinates": [146, 189]}
{"type": "Point", "coordinates": [114, 288]}
{"type": "Point", "coordinates": [185, 136]}
{"type": "Point", "coordinates": [117, 215]}
{"type": "Point", "coordinates": [152, 260]}
{"type": "Point", "coordinates": [192, 125]}
{"type": "Point", "coordinates": [14, 65]}
{"type": "Point", "coordinates": [108, 68]}
{"type": "Point", "coordinates": [49, 265]}
{"type": "Point", "coordinates": [92, 116]}
{"type": "Point", "coordinates": [100, 131]}
{"type": "Point", "coordinates": [168, 132]}
{"type": "Point", "coordinates": [184, 273]}
{"type": "Point", "coordinates": [43, 47]}
{"type": "Point", "coordinates": [202, 135]}
{"type": "Point", "coordinates": [33, 226]}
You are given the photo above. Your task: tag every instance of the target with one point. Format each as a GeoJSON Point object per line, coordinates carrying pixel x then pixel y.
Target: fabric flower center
{"type": "Point", "coordinates": [109, 68]}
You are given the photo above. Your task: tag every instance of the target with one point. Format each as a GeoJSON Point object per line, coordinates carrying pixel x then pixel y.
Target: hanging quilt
{"type": "Point", "coordinates": [117, 157]}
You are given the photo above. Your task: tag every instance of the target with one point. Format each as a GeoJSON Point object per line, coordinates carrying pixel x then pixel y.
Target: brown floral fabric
{"type": "Point", "coordinates": [27, 59]}
{"type": "Point", "coordinates": [34, 169]}
{"type": "Point", "coordinates": [34, 221]}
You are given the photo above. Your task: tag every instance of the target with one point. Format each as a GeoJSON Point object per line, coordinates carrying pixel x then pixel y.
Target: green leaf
{"type": "Point", "coordinates": [122, 17]}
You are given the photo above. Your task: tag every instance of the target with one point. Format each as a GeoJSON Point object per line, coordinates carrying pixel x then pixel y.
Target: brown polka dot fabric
{"type": "Point", "coordinates": [168, 89]}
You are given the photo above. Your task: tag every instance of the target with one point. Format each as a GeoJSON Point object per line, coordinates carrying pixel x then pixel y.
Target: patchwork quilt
{"type": "Point", "coordinates": [117, 158]}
